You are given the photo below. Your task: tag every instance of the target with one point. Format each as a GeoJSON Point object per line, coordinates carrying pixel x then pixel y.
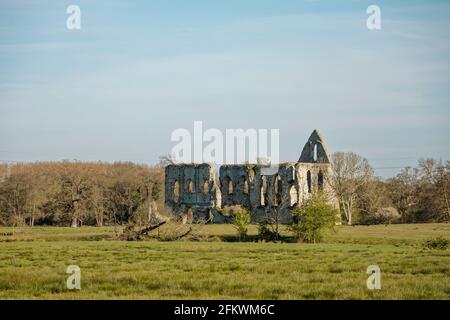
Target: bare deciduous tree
{"type": "Point", "coordinates": [166, 160]}
{"type": "Point", "coordinates": [436, 180]}
{"type": "Point", "coordinates": [350, 172]}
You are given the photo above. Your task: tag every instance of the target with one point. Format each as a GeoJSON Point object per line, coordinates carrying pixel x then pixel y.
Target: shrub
{"type": "Point", "coordinates": [312, 218]}
{"type": "Point", "coordinates": [440, 243]}
{"type": "Point", "coordinates": [241, 219]}
{"type": "Point", "coordinates": [265, 232]}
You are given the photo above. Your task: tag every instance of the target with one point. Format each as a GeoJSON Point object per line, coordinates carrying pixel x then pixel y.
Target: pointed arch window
{"type": "Point", "coordinates": [190, 186]}
{"type": "Point", "coordinates": [320, 180]}
{"type": "Point", "coordinates": [205, 187]}
{"type": "Point", "coordinates": [176, 191]}
{"type": "Point", "coordinates": [309, 182]}
{"type": "Point", "coordinates": [263, 192]}
{"type": "Point", "coordinates": [228, 185]}
{"type": "Point", "coordinates": [278, 190]}
{"type": "Point", "coordinates": [292, 196]}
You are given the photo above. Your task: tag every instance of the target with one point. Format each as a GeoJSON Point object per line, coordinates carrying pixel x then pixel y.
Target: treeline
{"type": "Point", "coordinates": [422, 194]}
{"type": "Point", "coordinates": [84, 193]}
{"type": "Point", "coordinates": [419, 194]}
{"type": "Point", "coordinates": [78, 193]}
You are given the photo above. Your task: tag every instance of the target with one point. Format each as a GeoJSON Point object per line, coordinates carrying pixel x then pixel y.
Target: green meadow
{"type": "Point", "coordinates": [33, 263]}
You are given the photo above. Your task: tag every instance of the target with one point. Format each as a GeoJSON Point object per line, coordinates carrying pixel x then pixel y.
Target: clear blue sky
{"type": "Point", "coordinates": [137, 70]}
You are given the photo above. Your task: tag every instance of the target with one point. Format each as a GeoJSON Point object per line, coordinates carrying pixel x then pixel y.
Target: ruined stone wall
{"type": "Point", "coordinates": [200, 193]}
{"type": "Point", "coordinates": [194, 194]}
{"type": "Point", "coordinates": [191, 191]}
{"type": "Point", "coordinates": [290, 187]}
{"type": "Point", "coordinates": [238, 185]}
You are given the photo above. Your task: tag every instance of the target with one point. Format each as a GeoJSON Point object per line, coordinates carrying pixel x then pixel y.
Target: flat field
{"type": "Point", "coordinates": [33, 263]}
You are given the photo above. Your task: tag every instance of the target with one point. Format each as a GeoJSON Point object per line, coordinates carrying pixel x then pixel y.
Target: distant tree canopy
{"type": "Point", "coordinates": [77, 193]}
{"type": "Point", "coordinates": [422, 193]}
{"type": "Point", "coordinates": [419, 194]}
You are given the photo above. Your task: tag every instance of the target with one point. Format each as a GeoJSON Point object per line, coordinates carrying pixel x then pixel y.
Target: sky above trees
{"type": "Point", "coordinates": [136, 71]}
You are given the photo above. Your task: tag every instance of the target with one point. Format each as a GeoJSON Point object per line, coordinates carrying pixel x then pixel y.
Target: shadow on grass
{"type": "Point", "coordinates": [256, 238]}
{"type": "Point", "coordinates": [97, 237]}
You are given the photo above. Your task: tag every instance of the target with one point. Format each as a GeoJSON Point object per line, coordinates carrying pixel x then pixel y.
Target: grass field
{"type": "Point", "coordinates": [33, 263]}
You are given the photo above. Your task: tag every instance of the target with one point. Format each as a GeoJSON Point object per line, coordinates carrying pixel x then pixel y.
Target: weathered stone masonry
{"type": "Point", "coordinates": [194, 192]}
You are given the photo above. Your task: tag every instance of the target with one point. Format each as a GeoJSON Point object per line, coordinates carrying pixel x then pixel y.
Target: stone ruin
{"type": "Point", "coordinates": [195, 193]}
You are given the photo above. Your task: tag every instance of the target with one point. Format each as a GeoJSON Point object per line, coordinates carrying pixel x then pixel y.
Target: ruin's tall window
{"type": "Point", "coordinates": [243, 184]}
{"type": "Point", "coordinates": [320, 180]}
{"type": "Point", "coordinates": [292, 174]}
{"type": "Point", "coordinates": [278, 190]}
{"type": "Point", "coordinates": [176, 191]}
{"type": "Point", "coordinates": [205, 188]}
{"type": "Point", "coordinates": [278, 185]}
{"type": "Point", "coordinates": [263, 192]}
{"type": "Point", "coordinates": [190, 186]}
{"type": "Point", "coordinates": [315, 152]}
{"type": "Point", "coordinates": [251, 174]}
{"type": "Point", "coordinates": [228, 184]}
{"type": "Point", "coordinates": [308, 179]}
{"type": "Point", "coordinates": [292, 196]}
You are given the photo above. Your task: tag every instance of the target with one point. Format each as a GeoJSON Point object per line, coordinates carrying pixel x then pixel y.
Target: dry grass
{"type": "Point", "coordinates": [33, 264]}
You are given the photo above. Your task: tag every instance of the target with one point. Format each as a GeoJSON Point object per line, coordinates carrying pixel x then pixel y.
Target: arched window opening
{"type": "Point", "coordinates": [292, 173]}
{"type": "Point", "coordinates": [278, 189]}
{"type": "Point", "coordinates": [308, 178]}
{"type": "Point", "coordinates": [292, 196]}
{"type": "Point", "coordinates": [320, 180]}
{"type": "Point", "coordinates": [176, 191]}
{"type": "Point", "coordinates": [315, 153]}
{"type": "Point", "coordinates": [278, 185]}
{"type": "Point", "coordinates": [251, 174]}
{"type": "Point", "coordinates": [263, 192]}
{"type": "Point", "coordinates": [205, 187]}
{"type": "Point", "coordinates": [243, 184]}
{"type": "Point", "coordinates": [228, 185]}
{"type": "Point", "coordinates": [190, 186]}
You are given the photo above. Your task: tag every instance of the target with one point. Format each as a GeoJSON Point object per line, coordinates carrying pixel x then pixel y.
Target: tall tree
{"type": "Point", "coordinates": [435, 188]}
{"type": "Point", "coordinates": [350, 172]}
{"type": "Point", "coordinates": [403, 191]}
